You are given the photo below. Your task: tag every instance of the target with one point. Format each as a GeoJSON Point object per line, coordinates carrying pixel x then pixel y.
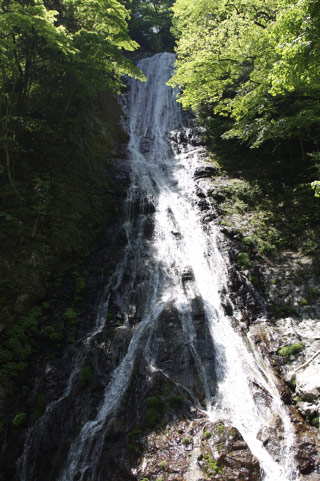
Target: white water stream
{"type": "Point", "coordinates": [163, 182]}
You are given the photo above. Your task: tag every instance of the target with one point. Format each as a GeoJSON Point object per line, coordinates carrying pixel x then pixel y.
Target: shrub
{"type": "Point", "coordinates": [152, 416]}
{"type": "Point", "coordinates": [186, 441]}
{"type": "Point", "coordinates": [19, 419]}
{"type": "Point", "coordinates": [70, 315]}
{"type": "Point", "coordinates": [207, 435]}
{"type": "Point", "coordinates": [244, 260]}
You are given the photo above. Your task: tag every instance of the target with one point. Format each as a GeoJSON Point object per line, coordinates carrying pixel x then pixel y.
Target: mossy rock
{"type": "Point", "coordinates": [290, 349]}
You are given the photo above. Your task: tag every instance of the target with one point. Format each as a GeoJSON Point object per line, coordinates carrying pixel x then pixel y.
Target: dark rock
{"type": "Point", "coordinates": [187, 275]}
{"type": "Point", "coordinates": [228, 309]}
{"type": "Point", "coordinates": [205, 172]}
{"type": "Point", "coordinates": [203, 205]}
{"type": "Point", "coordinates": [308, 452]}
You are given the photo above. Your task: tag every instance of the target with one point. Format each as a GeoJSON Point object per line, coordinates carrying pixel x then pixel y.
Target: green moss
{"type": "Point", "coordinates": [303, 302]}
{"type": "Point", "coordinates": [211, 467]}
{"type": "Point", "coordinates": [290, 349]}
{"type": "Point", "coordinates": [221, 428]}
{"type": "Point", "coordinates": [207, 434]}
{"type": "Point", "coordinates": [186, 441]}
{"type": "Point", "coordinates": [315, 422]}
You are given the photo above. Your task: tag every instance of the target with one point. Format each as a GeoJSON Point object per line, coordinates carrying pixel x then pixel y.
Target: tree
{"type": "Point", "coordinates": [77, 49]}
{"type": "Point", "coordinates": [257, 66]}
{"type": "Point", "coordinates": [150, 24]}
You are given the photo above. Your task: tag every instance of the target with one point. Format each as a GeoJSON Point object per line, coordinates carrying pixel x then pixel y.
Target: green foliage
{"type": "Point", "coordinates": [86, 377]}
{"type": "Point", "coordinates": [135, 449]}
{"type": "Point", "coordinates": [211, 467]}
{"type": "Point", "coordinates": [51, 332]}
{"type": "Point", "coordinates": [221, 428]}
{"type": "Point", "coordinates": [152, 417]}
{"type": "Point", "coordinates": [167, 387]}
{"type": "Point", "coordinates": [315, 422]}
{"type": "Point", "coordinates": [175, 401]}
{"type": "Point", "coordinates": [17, 345]}
{"type": "Point", "coordinates": [244, 260]}
{"type": "Point", "coordinates": [316, 187]}
{"type": "Point", "coordinates": [207, 434]}
{"type": "Point", "coordinates": [154, 411]}
{"type": "Point", "coordinates": [154, 402]}
{"type": "Point", "coordinates": [186, 441]}
{"type": "Point", "coordinates": [59, 70]}
{"type": "Point", "coordinates": [135, 433]}
{"type": "Point", "coordinates": [287, 351]}
{"type": "Point", "coordinates": [150, 24]}
{"type": "Point", "coordinates": [40, 407]}
{"type": "Point", "coordinates": [239, 92]}
{"type": "Point", "coordinates": [19, 419]}
{"type": "Point", "coordinates": [70, 315]}
{"type": "Point", "coordinates": [284, 310]}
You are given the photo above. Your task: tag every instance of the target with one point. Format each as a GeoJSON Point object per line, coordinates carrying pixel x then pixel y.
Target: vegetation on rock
{"type": "Point", "coordinates": [287, 351]}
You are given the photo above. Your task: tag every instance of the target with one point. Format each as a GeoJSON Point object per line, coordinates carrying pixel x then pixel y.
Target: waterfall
{"type": "Point", "coordinates": [171, 266]}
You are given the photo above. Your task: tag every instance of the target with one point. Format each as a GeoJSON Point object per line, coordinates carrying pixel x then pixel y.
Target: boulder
{"type": "Point", "coordinates": [308, 382]}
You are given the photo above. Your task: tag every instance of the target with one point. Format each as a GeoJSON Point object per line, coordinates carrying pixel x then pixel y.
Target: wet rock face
{"type": "Point", "coordinates": [226, 456]}
{"type": "Point", "coordinates": [174, 353]}
{"type": "Point", "coordinates": [199, 450]}
{"type": "Point", "coordinates": [308, 453]}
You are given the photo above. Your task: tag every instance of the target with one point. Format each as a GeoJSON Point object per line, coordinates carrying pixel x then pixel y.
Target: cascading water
{"type": "Point", "coordinates": [171, 269]}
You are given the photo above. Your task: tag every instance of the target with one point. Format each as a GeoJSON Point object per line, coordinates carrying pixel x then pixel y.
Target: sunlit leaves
{"type": "Point", "coordinates": [256, 64]}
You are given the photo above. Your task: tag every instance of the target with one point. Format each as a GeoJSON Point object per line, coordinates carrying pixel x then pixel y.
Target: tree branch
{"type": "Point", "coordinates": [308, 362]}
